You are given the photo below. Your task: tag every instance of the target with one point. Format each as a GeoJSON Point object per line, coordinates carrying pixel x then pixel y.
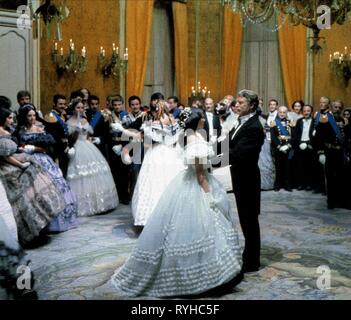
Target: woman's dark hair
{"type": "Point", "coordinates": [297, 101]}
{"type": "Point", "coordinates": [5, 102]}
{"type": "Point", "coordinates": [73, 103]}
{"type": "Point", "coordinates": [193, 120]}
{"type": "Point", "coordinates": [22, 115]}
{"type": "Point", "coordinates": [157, 96]}
{"type": "Point", "coordinates": [4, 114]}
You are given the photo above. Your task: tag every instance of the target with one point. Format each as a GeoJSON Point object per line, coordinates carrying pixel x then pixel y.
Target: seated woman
{"type": "Point", "coordinates": [189, 244]}
{"type": "Point", "coordinates": [34, 140]}
{"type": "Point", "coordinates": [34, 199]}
{"type": "Point", "coordinates": [88, 174]}
{"type": "Point", "coordinates": [11, 254]}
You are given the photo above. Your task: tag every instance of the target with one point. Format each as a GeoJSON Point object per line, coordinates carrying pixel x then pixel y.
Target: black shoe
{"type": "Point", "coordinates": [299, 188]}
{"type": "Point", "coordinates": [308, 188]}
{"type": "Point", "coordinates": [246, 269]}
{"type": "Point", "coordinates": [276, 189]}
{"type": "Point", "coordinates": [288, 189]}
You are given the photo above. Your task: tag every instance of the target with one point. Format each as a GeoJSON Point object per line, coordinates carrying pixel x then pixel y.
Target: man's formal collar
{"type": "Point", "coordinates": [242, 120]}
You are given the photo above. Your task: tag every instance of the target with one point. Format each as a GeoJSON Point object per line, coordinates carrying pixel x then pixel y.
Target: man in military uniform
{"type": "Point", "coordinates": [57, 127]}
{"type": "Point", "coordinates": [99, 124]}
{"type": "Point", "coordinates": [282, 151]}
{"type": "Point", "coordinates": [120, 170]}
{"type": "Point", "coordinates": [329, 142]}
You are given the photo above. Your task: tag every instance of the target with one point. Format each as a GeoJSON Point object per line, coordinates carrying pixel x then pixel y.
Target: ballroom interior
{"type": "Point", "coordinates": [283, 50]}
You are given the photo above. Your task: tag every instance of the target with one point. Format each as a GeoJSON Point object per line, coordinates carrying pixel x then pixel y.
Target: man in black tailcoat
{"type": "Point", "coordinates": [245, 142]}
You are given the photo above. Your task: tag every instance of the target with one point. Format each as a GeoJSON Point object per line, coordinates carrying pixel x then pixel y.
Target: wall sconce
{"type": "Point", "coordinates": [114, 65]}
{"type": "Point", "coordinates": [200, 92]}
{"type": "Point", "coordinates": [340, 64]}
{"type": "Point", "coordinates": [72, 62]}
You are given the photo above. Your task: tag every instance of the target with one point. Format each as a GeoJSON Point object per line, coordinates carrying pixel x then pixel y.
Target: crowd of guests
{"type": "Point", "coordinates": [84, 156]}
{"type": "Point", "coordinates": [308, 150]}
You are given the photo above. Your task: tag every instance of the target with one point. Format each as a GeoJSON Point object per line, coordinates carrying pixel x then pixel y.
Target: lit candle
{"type": "Point", "coordinates": [330, 58]}
{"type": "Point", "coordinates": [113, 47]}
{"type": "Point", "coordinates": [101, 49]}
{"type": "Point", "coordinates": [103, 52]}
{"type": "Point", "coordinates": [72, 46]}
{"type": "Point", "coordinates": [345, 50]}
{"type": "Point", "coordinates": [83, 52]}
{"type": "Point", "coordinates": [55, 48]}
{"type": "Point", "coordinates": [117, 50]}
{"type": "Point", "coordinates": [61, 51]}
{"type": "Point", "coordinates": [208, 93]}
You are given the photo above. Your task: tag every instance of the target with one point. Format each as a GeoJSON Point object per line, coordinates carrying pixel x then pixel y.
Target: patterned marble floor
{"type": "Point", "coordinates": [298, 236]}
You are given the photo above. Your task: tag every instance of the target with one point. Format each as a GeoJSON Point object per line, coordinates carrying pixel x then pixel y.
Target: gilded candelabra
{"type": "Point", "coordinates": [71, 62]}
{"type": "Point", "coordinates": [340, 64]}
{"type": "Point", "coordinates": [114, 65]}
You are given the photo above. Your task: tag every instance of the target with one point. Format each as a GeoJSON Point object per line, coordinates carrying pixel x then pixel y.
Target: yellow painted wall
{"type": "Point", "coordinates": [324, 81]}
{"type": "Point", "coordinates": [91, 23]}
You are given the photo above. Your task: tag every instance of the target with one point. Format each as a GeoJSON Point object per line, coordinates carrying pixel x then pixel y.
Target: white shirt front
{"type": "Point", "coordinates": [210, 122]}
{"type": "Point", "coordinates": [271, 117]}
{"type": "Point", "coordinates": [242, 120]}
{"type": "Point", "coordinates": [306, 129]}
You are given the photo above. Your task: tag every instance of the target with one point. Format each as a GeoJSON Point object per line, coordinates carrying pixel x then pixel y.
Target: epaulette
{"type": "Point", "coordinates": [50, 118]}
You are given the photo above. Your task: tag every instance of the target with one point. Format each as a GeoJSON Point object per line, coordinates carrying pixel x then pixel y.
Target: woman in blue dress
{"type": "Point", "coordinates": [34, 140]}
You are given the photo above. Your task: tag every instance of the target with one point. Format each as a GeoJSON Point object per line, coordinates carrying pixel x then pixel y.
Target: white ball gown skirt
{"type": "Point", "coordinates": [186, 247]}
{"type": "Point", "coordinates": [160, 165]}
{"type": "Point", "coordinates": [91, 180]}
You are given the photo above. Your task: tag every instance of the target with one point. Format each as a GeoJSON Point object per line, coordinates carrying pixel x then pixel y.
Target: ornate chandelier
{"type": "Point", "coordinates": [306, 12]}
{"type": "Point", "coordinates": [298, 11]}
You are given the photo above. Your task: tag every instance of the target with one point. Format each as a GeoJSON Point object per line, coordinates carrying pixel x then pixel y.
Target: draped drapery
{"type": "Point", "coordinates": [180, 21]}
{"type": "Point", "coordinates": [231, 51]}
{"type": "Point", "coordinates": [138, 35]}
{"type": "Point", "coordinates": [292, 45]}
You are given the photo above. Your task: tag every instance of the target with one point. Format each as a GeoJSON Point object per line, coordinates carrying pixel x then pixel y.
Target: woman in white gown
{"type": "Point", "coordinates": [162, 162]}
{"type": "Point", "coordinates": [88, 174]}
{"type": "Point", "coordinates": [189, 244]}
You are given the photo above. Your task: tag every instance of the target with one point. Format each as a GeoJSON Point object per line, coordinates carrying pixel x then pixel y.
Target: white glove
{"type": "Point", "coordinates": [284, 148]}
{"type": "Point", "coordinates": [28, 148]}
{"type": "Point", "coordinates": [213, 140]}
{"type": "Point", "coordinates": [117, 127]}
{"type": "Point", "coordinates": [117, 149]}
{"type": "Point", "coordinates": [97, 141]}
{"type": "Point", "coordinates": [71, 152]}
{"type": "Point", "coordinates": [126, 158]}
{"type": "Point", "coordinates": [322, 159]}
{"type": "Point", "coordinates": [303, 146]}
{"type": "Point", "coordinates": [25, 165]}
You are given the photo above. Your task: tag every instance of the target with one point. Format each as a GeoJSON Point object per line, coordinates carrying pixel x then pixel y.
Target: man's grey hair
{"type": "Point", "coordinates": [338, 101]}
{"type": "Point", "coordinates": [251, 97]}
{"type": "Point", "coordinates": [326, 98]}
